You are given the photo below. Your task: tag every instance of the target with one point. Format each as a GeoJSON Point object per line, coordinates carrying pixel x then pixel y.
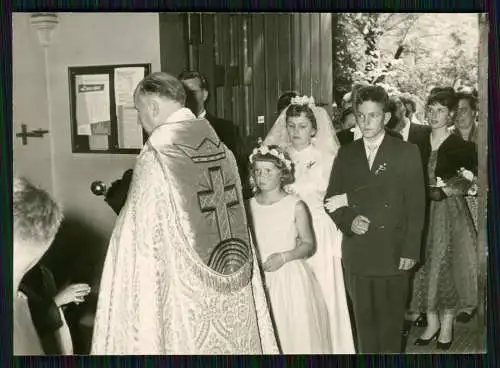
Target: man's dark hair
{"type": "Point", "coordinates": [409, 101]}
{"type": "Point", "coordinates": [372, 93]}
{"type": "Point", "coordinates": [392, 108]}
{"type": "Point", "coordinates": [36, 215]}
{"type": "Point", "coordinates": [345, 113]}
{"type": "Point", "coordinates": [192, 74]}
{"type": "Point", "coordinates": [164, 85]}
{"type": "Point", "coordinates": [393, 103]}
{"type": "Point", "coordinates": [284, 100]}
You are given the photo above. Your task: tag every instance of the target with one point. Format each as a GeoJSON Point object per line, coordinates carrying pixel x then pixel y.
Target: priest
{"type": "Point", "coordinates": [180, 275]}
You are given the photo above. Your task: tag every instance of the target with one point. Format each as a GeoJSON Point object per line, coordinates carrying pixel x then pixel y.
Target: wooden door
{"type": "Point", "coordinates": [312, 35]}
{"type": "Point", "coordinates": [247, 60]}
{"type": "Point", "coordinates": [250, 59]}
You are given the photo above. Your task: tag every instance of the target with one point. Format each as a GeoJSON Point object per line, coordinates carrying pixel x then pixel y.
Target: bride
{"type": "Point", "coordinates": [307, 134]}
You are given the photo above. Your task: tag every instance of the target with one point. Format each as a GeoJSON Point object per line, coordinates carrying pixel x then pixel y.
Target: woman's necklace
{"type": "Point", "coordinates": [466, 133]}
{"type": "Point", "coordinates": [437, 141]}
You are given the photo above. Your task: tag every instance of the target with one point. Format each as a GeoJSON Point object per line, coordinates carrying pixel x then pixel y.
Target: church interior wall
{"type": "Point", "coordinates": [29, 103]}
{"type": "Point", "coordinates": [83, 39]}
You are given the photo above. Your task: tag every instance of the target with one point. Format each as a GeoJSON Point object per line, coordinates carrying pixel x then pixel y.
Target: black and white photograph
{"type": "Point", "coordinates": [216, 183]}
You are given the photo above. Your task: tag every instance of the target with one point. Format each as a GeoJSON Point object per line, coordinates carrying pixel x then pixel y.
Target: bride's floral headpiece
{"type": "Point", "coordinates": [302, 100]}
{"type": "Point", "coordinates": [264, 150]}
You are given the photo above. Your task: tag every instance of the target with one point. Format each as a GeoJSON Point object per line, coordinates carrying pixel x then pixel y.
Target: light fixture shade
{"type": "Point", "coordinates": [44, 24]}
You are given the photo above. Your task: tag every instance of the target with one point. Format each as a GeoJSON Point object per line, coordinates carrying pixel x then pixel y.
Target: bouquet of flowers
{"type": "Point", "coordinates": [465, 182]}
{"type": "Point", "coordinates": [468, 175]}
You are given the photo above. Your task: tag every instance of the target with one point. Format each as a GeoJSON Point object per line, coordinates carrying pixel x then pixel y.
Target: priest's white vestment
{"type": "Point", "coordinates": [180, 274]}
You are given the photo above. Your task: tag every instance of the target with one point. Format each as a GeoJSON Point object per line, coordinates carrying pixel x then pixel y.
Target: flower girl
{"type": "Point", "coordinates": [285, 238]}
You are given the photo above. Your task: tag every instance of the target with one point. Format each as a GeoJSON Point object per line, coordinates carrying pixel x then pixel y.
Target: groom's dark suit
{"type": "Point", "coordinates": [391, 195]}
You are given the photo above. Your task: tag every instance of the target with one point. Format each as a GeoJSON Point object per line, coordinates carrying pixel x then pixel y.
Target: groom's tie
{"type": "Point", "coordinates": [371, 154]}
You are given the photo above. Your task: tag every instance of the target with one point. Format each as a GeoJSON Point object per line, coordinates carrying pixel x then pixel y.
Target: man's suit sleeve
{"type": "Point", "coordinates": [414, 199]}
{"type": "Point", "coordinates": [231, 134]}
{"type": "Point", "coordinates": [118, 192]}
{"type": "Point", "coordinates": [344, 216]}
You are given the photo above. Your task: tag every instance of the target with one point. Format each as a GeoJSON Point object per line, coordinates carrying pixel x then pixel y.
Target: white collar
{"type": "Point", "coordinates": [202, 114]}
{"type": "Point", "coordinates": [181, 115]}
{"type": "Point", "coordinates": [376, 144]}
{"type": "Point", "coordinates": [405, 132]}
{"type": "Point", "coordinates": [161, 133]}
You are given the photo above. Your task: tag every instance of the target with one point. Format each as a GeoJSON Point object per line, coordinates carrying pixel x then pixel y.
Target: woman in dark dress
{"type": "Point", "coordinates": [45, 302]}
{"type": "Point", "coordinates": [447, 281]}
{"type": "Point", "coordinates": [466, 127]}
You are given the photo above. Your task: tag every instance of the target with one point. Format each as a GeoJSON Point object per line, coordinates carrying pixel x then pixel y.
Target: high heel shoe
{"type": "Point", "coordinates": [465, 317]}
{"type": "Point", "coordinates": [444, 345]}
{"type": "Point", "coordinates": [421, 321]}
{"type": "Point", "coordinates": [423, 342]}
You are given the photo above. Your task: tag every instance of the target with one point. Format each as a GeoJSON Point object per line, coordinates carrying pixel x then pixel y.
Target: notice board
{"type": "Point", "coordinates": [102, 110]}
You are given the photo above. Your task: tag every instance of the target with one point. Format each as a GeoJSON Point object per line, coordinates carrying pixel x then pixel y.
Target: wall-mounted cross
{"type": "Point", "coordinates": [24, 135]}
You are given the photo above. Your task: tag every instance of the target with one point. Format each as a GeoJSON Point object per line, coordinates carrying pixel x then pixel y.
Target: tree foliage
{"type": "Point", "coordinates": [345, 61]}
{"type": "Point", "coordinates": [406, 52]}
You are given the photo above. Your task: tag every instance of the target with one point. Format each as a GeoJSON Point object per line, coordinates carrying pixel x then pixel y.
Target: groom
{"type": "Point", "coordinates": [376, 198]}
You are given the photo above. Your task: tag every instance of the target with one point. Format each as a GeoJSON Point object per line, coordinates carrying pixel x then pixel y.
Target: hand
{"type": "Point", "coordinates": [436, 194]}
{"type": "Point", "coordinates": [113, 188]}
{"type": "Point", "coordinates": [274, 262]}
{"type": "Point", "coordinates": [74, 293]}
{"type": "Point", "coordinates": [335, 202]}
{"type": "Point", "coordinates": [360, 225]}
{"type": "Point", "coordinates": [406, 264]}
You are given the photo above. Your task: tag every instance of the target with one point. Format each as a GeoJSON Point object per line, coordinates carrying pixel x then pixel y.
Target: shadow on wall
{"type": "Point", "coordinates": [77, 256]}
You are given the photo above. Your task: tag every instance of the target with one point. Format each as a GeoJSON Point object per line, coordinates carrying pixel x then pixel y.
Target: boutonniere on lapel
{"type": "Point", "coordinates": [310, 164]}
{"type": "Point", "coordinates": [381, 168]}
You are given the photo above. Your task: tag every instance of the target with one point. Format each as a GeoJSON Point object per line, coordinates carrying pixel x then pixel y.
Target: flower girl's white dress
{"type": "Point", "coordinates": [297, 305]}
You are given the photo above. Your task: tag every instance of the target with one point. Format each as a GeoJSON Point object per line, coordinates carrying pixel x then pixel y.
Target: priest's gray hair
{"type": "Point", "coordinates": [163, 85]}
{"type": "Point", "coordinates": [36, 215]}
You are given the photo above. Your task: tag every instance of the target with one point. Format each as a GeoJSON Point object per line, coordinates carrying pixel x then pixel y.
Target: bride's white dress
{"type": "Point", "coordinates": [312, 172]}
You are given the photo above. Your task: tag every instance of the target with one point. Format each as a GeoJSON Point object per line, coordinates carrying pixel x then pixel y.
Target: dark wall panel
{"type": "Point", "coordinates": [207, 56]}
{"type": "Point", "coordinates": [173, 43]}
{"type": "Point", "coordinates": [251, 59]}
{"type": "Point", "coordinates": [258, 89]}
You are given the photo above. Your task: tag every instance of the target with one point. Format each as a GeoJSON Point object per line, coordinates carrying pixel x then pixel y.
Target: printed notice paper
{"type": "Point", "coordinates": [93, 102]}
{"type": "Point", "coordinates": [129, 130]}
{"type": "Point", "coordinates": [126, 79]}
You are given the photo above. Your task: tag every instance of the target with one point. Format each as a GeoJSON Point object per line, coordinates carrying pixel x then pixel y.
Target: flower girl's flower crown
{"type": "Point", "coordinates": [302, 100]}
{"type": "Point", "coordinates": [264, 150]}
